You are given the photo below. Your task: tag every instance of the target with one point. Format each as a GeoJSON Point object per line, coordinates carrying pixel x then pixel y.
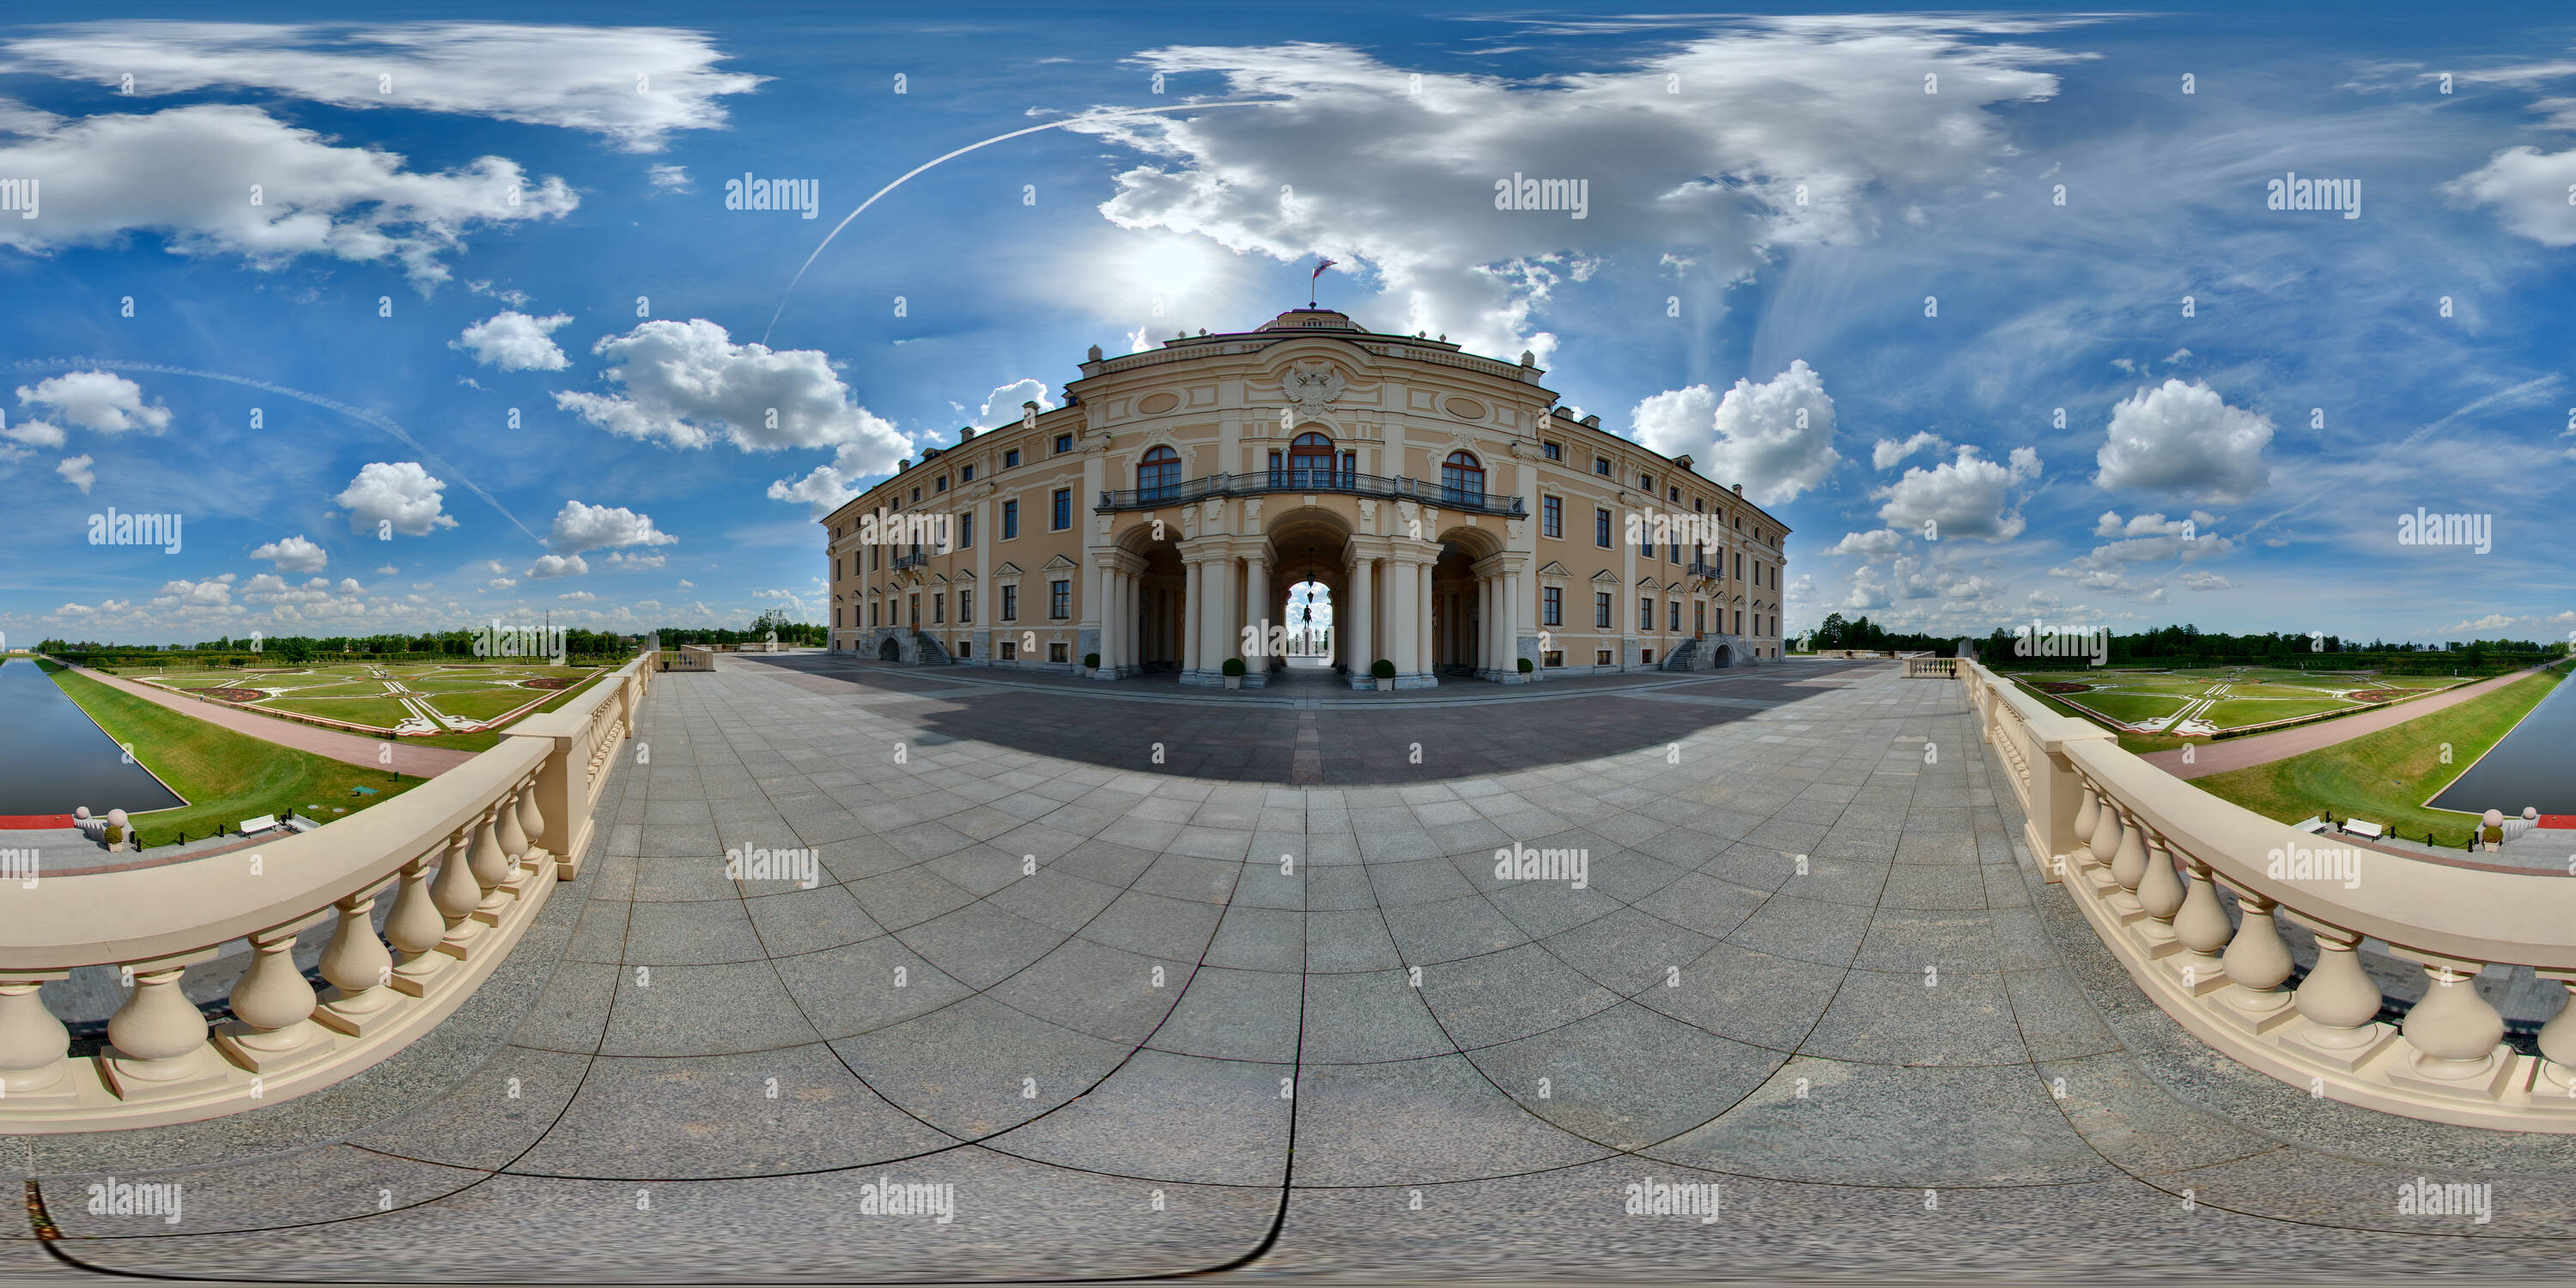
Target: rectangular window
{"type": "Point", "coordinates": [1063, 443]}
{"type": "Point", "coordinates": [1010, 519]}
{"type": "Point", "coordinates": [1553, 657]}
{"type": "Point", "coordinates": [1739, 621]}
{"type": "Point", "coordinates": [1646, 657]}
{"type": "Point", "coordinates": [1601, 610]}
{"type": "Point", "coordinates": [1063, 509]}
{"type": "Point", "coordinates": [1739, 565]}
{"type": "Point", "coordinates": [966, 531]}
{"type": "Point", "coordinates": [1645, 613]}
{"type": "Point", "coordinates": [1060, 600]}
{"type": "Point", "coordinates": [1677, 617]}
{"type": "Point", "coordinates": [1601, 657]}
{"type": "Point", "coordinates": [1552, 603]}
{"type": "Point", "coordinates": [1010, 603]}
{"type": "Point", "coordinates": [1676, 555]}
{"type": "Point", "coordinates": [965, 648]}
{"type": "Point", "coordinates": [1601, 528]}
{"type": "Point", "coordinates": [939, 608]}
{"type": "Point", "coordinates": [876, 558]}
{"type": "Point", "coordinates": [872, 614]}
{"type": "Point", "coordinates": [1011, 459]}
{"type": "Point", "coordinates": [1646, 484]}
{"type": "Point", "coordinates": [1059, 651]}
{"type": "Point", "coordinates": [965, 475]}
{"type": "Point", "coordinates": [836, 567]}
{"type": "Point", "coordinates": [914, 611]}
{"type": "Point", "coordinates": [1601, 466]}
{"type": "Point", "coordinates": [1699, 619]}
{"type": "Point", "coordinates": [916, 496]}
{"type": "Point", "coordinates": [1010, 650]}
{"type": "Point", "coordinates": [1646, 537]}
{"type": "Point", "coordinates": [1551, 516]}
{"type": "Point", "coordinates": [939, 484]}
{"type": "Point", "coordinates": [965, 608]}
{"type": "Point", "coordinates": [1553, 451]}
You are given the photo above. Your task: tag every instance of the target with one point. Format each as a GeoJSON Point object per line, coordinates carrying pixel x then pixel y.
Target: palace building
{"type": "Point", "coordinates": [1457, 522]}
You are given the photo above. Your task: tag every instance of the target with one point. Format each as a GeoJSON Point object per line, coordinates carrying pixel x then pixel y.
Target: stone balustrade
{"type": "Point", "coordinates": [468, 859]}
{"type": "Point", "coordinates": [1940, 668]}
{"type": "Point", "coordinates": [2144, 855]}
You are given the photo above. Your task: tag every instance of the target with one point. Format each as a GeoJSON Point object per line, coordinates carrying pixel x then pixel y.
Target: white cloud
{"type": "Point", "coordinates": [822, 490]}
{"type": "Point", "coordinates": [213, 592]}
{"type": "Point", "coordinates": [1870, 547]}
{"type": "Point", "coordinates": [1711, 173]}
{"type": "Point", "coordinates": [36, 433]}
{"type": "Point", "coordinates": [398, 492]}
{"type": "Point", "coordinates": [387, 570]}
{"type": "Point", "coordinates": [580, 528]}
{"type": "Point", "coordinates": [294, 554]}
{"type": "Point", "coordinates": [1005, 406]}
{"type": "Point", "coordinates": [180, 173]}
{"type": "Point", "coordinates": [628, 561]}
{"type": "Point", "coordinates": [686, 584]}
{"type": "Point", "coordinates": [686, 382]}
{"type": "Point", "coordinates": [577, 597]}
{"type": "Point", "coordinates": [631, 84]}
{"type": "Point", "coordinates": [2528, 189]}
{"type": "Point", "coordinates": [2185, 439]}
{"type": "Point", "coordinates": [669, 178]}
{"type": "Point", "coordinates": [2195, 579]}
{"type": "Point", "coordinates": [1775, 438]}
{"type": "Point", "coordinates": [99, 400]}
{"type": "Point", "coordinates": [1968, 497]}
{"type": "Point", "coordinates": [1889, 453]}
{"type": "Point", "coordinates": [76, 471]}
{"type": "Point", "coordinates": [549, 566]}
{"type": "Point", "coordinates": [500, 583]}
{"type": "Point", "coordinates": [514, 341]}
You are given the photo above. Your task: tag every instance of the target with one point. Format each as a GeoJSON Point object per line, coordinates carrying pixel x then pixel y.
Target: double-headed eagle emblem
{"type": "Point", "coordinates": [1310, 385]}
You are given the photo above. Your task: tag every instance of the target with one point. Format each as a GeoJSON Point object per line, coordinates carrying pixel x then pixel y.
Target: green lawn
{"type": "Point", "coordinates": [2383, 777]}
{"type": "Point", "coordinates": [2131, 708]}
{"type": "Point", "coordinates": [484, 704]}
{"type": "Point", "coordinates": [491, 738]}
{"type": "Point", "coordinates": [2231, 713]}
{"type": "Point", "coordinates": [225, 776]}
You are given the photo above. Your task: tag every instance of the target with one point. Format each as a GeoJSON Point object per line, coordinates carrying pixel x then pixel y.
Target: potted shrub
{"type": "Point", "coordinates": [1526, 668]}
{"type": "Point", "coordinates": [1233, 673]}
{"type": "Point", "coordinates": [1091, 664]}
{"type": "Point", "coordinates": [1384, 670]}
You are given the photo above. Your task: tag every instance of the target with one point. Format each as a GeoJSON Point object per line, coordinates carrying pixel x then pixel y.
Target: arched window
{"type": "Point", "coordinates": [1310, 461]}
{"type": "Point", "coordinates": [1159, 474]}
{"type": "Point", "coordinates": [1462, 479]}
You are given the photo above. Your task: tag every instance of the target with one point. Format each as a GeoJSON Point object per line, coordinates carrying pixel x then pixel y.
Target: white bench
{"type": "Point", "coordinates": [2358, 828]}
{"type": "Point", "coordinates": [254, 826]}
{"type": "Point", "coordinates": [2312, 825]}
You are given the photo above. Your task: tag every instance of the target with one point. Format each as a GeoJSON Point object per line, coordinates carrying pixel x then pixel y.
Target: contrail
{"type": "Point", "coordinates": [375, 418]}
{"type": "Point", "coordinates": [1093, 115]}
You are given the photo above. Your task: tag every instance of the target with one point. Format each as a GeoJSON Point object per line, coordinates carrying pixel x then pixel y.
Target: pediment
{"type": "Point", "coordinates": [1058, 564]}
{"type": "Point", "coordinates": [1606, 576]}
{"type": "Point", "coordinates": [1008, 569]}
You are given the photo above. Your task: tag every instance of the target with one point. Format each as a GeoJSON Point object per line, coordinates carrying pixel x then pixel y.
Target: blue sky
{"type": "Point", "coordinates": [461, 212]}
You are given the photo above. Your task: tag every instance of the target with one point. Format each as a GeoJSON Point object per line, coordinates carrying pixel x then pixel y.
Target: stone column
{"type": "Point", "coordinates": [1256, 603]}
{"type": "Point", "coordinates": [1223, 627]}
{"type": "Point", "coordinates": [1422, 628]}
{"type": "Point", "coordinates": [1485, 653]}
{"type": "Point", "coordinates": [1360, 632]}
{"type": "Point", "coordinates": [1193, 611]}
{"type": "Point", "coordinates": [1510, 634]}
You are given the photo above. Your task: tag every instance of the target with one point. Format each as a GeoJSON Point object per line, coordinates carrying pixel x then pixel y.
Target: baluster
{"type": "Point", "coordinates": [2128, 864]}
{"type": "Point", "coordinates": [2158, 888]}
{"type": "Point", "coordinates": [34, 1046]}
{"type": "Point", "coordinates": [514, 839]}
{"type": "Point", "coordinates": [2558, 1043]}
{"type": "Point", "coordinates": [2105, 841]}
{"type": "Point", "coordinates": [2201, 928]}
{"type": "Point", "coordinates": [416, 927]}
{"type": "Point", "coordinates": [2453, 1030]}
{"type": "Point", "coordinates": [491, 868]}
{"type": "Point", "coordinates": [456, 893]}
{"type": "Point", "coordinates": [532, 820]}
{"type": "Point", "coordinates": [2257, 961]}
{"type": "Point", "coordinates": [157, 1039]}
{"type": "Point", "coordinates": [273, 1006]}
{"type": "Point", "coordinates": [2089, 814]}
{"type": "Point", "coordinates": [361, 971]}
{"type": "Point", "coordinates": [2339, 1002]}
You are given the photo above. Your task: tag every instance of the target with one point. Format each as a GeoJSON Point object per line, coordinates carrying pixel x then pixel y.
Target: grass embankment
{"type": "Point", "coordinates": [2382, 777]}
{"type": "Point", "coordinates": [225, 776]}
{"type": "Point", "coordinates": [490, 738]}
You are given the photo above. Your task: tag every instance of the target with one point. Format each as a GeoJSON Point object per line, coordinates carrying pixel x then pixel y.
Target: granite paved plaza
{"type": "Point", "coordinates": [1143, 1021]}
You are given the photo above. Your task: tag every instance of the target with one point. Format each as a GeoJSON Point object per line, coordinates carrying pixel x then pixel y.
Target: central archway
{"type": "Point", "coordinates": [1310, 624]}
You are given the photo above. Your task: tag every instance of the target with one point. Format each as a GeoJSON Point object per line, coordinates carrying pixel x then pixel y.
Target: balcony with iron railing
{"type": "Point", "coordinates": [1340, 482]}
{"type": "Point", "coordinates": [1702, 568]}
{"type": "Point", "coordinates": [914, 560]}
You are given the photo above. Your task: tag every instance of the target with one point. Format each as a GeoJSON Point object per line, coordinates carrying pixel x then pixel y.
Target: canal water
{"type": "Point", "coordinates": [52, 757]}
{"type": "Point", "coordinates": [2535, 765]}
